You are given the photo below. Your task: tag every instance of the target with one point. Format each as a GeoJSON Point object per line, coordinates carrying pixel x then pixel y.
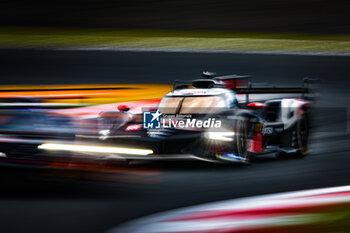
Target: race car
{"type": "Point", "coordinates": [216, 118]}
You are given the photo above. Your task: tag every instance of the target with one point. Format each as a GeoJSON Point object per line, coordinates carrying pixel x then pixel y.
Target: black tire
{"type": "Point", "coordinates": [239, 123]}
{"type": "Point", "coordinates": [302, 132]}
{"type": "Point", "coordinates": [242, 129]}
{"type": "Point", "coordinates": [302, 135]}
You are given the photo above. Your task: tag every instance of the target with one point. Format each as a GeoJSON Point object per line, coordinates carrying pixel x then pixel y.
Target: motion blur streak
{"type": "Point", "coordinates": [96, 149]}
{"type": "Point", "coordinates": [319, 210]}
{"type": "Point", "coordinates": [84, 94]}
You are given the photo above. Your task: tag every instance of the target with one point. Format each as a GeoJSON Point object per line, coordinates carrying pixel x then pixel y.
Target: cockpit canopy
{"type": "Point", "coordinates": [197, 101]}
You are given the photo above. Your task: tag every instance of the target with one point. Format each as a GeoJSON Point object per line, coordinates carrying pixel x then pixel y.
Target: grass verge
{"type": "Point", "coordinates": [191, 40]}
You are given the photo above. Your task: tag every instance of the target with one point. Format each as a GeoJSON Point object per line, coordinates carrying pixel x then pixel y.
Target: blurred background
{"type": "Point", "coordinates": [312, 16]}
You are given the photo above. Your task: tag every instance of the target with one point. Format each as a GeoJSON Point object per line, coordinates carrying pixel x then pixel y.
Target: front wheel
{"type": "Point", "coordinates": [241, 138]}
{"type": "Point", "coordinates": [236, 149]}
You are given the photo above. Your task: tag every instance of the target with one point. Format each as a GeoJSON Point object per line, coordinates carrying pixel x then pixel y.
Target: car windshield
{"type": "Point", "coordinates": [192, 104]}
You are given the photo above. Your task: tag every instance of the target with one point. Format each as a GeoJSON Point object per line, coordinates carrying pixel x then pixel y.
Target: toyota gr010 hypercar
{"type": "Point", "coordinates": [216, 118]}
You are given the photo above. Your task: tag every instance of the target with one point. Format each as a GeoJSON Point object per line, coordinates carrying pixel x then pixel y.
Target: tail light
{"type": "Point", "coordinates": [233, 83]}
{"type": "Point", "coordinates": [255, 144]}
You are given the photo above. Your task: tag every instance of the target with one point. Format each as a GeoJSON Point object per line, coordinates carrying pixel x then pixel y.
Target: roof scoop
{"type": "Point", "coordinates": [212, 80]}
{"type": "Point", "coordinates": [205, 83]}
{"type": "Point", "coordinates": [227, 81]}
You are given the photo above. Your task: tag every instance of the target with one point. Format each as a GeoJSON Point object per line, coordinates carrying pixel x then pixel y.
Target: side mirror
{"type": "Point", "coordinates": [256, 105]}
{"type": "Point", "coordinates": [123, 108]}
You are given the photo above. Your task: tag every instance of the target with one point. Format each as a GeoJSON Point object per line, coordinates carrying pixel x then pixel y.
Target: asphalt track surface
{"type": "Point", "coordinates": [45, 200]}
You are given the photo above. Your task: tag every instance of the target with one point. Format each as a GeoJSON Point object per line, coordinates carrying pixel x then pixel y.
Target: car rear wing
{"type": "Point", "coordinates": [242, 85]}
{"type": "Point", "coordinates": [253, 92]}
{"type": "Point", "coordinates": [306, 91]}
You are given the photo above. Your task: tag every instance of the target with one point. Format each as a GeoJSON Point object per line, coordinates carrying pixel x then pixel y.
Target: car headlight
{"type": "Point", "coordinates": [220, 135]}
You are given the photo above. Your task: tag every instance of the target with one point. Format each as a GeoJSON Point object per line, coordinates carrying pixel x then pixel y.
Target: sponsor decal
{"type": "Point", "coordinates": [267, 130]}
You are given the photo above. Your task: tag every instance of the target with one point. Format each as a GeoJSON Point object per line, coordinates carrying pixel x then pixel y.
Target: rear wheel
{"type": "Point", "coordinates": [302, 136]}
